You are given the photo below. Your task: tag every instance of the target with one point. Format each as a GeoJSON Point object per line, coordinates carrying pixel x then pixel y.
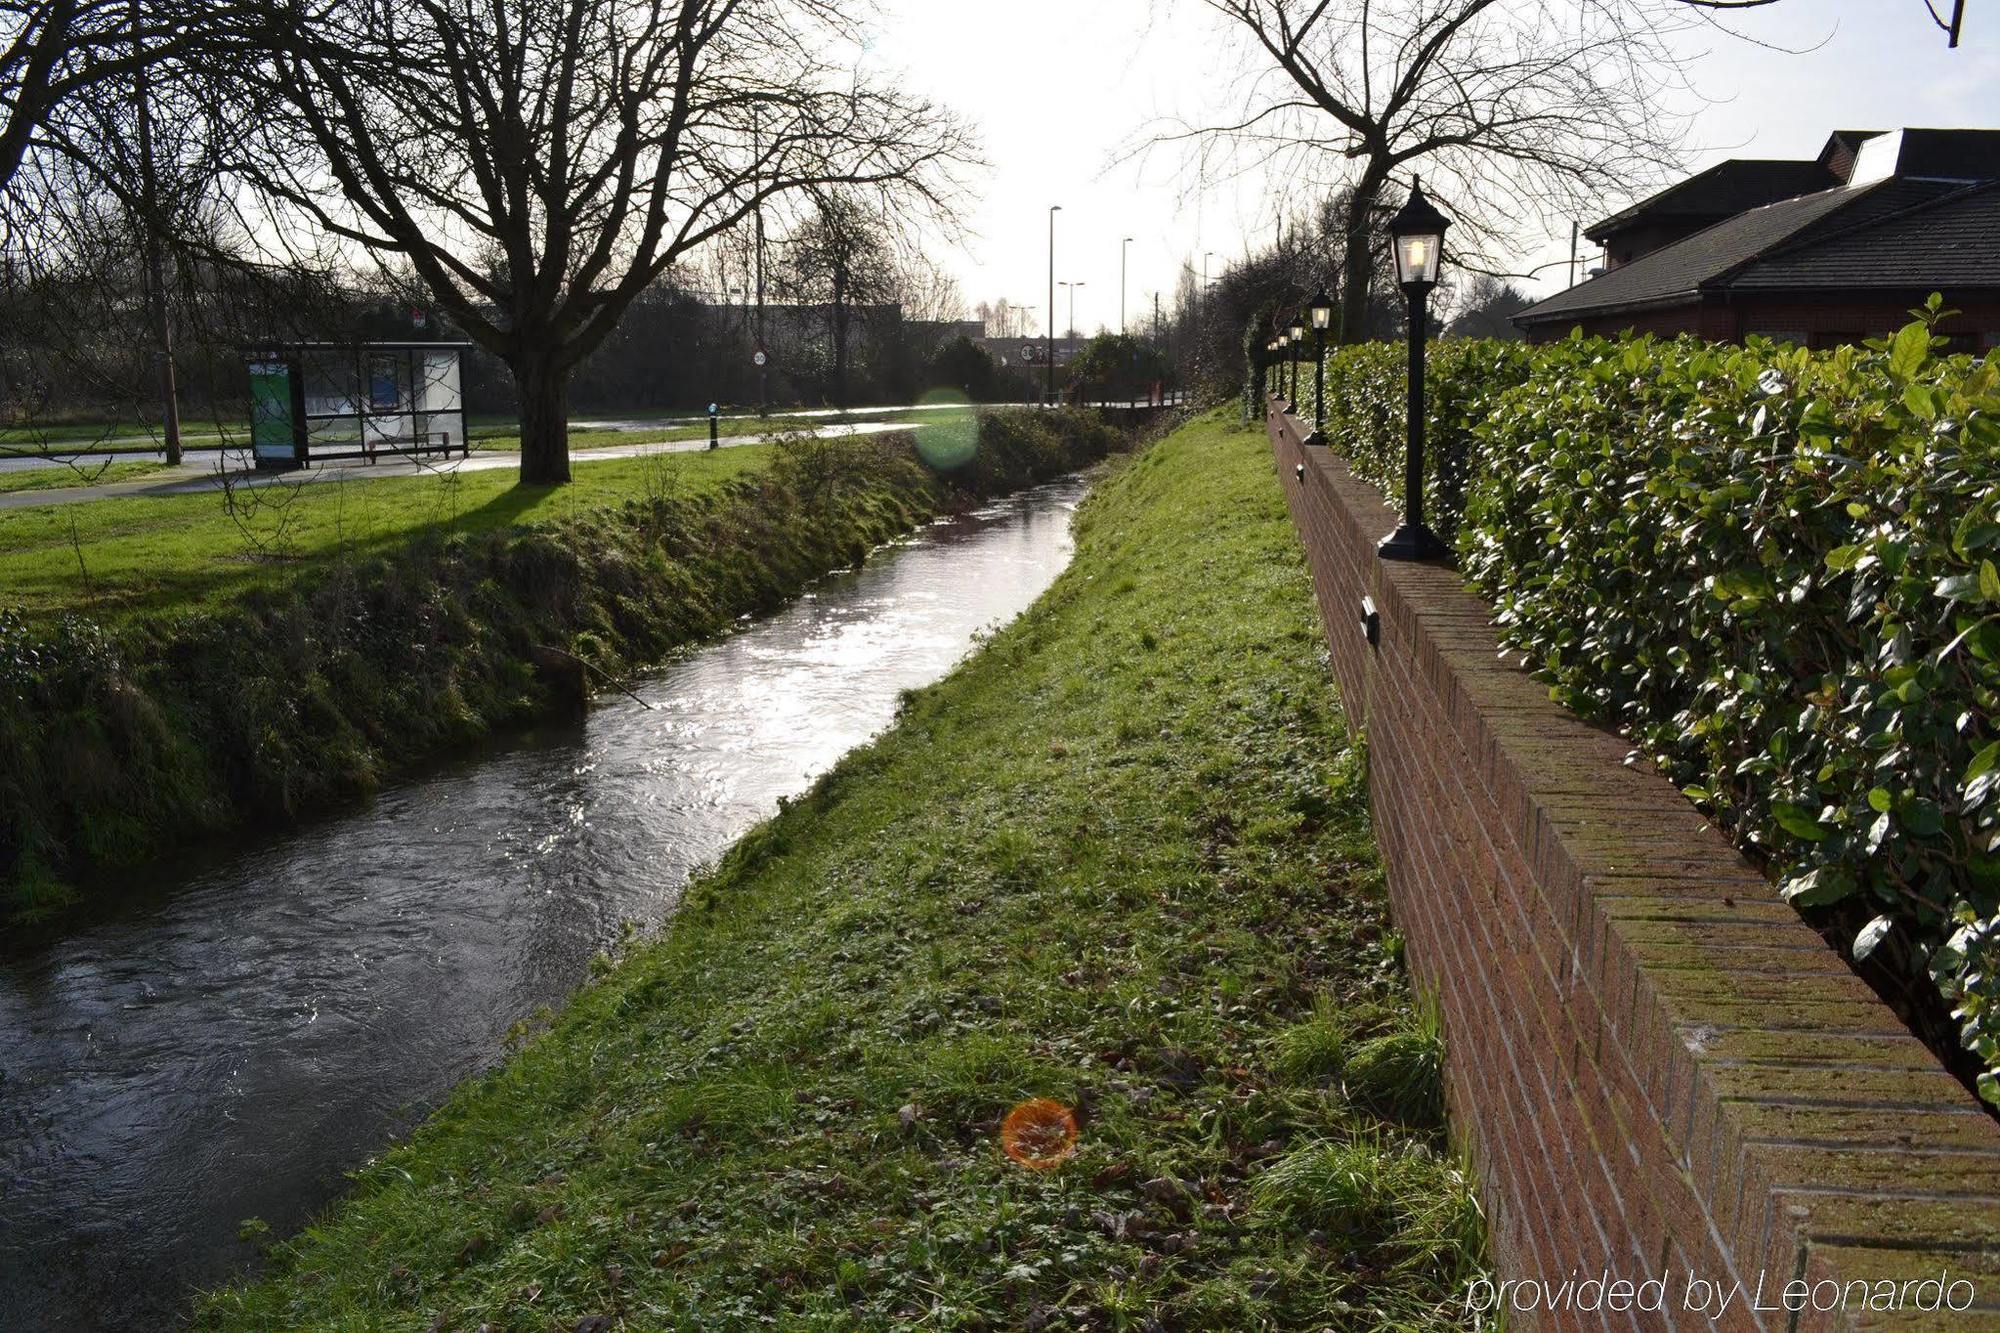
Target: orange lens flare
{"type": "Point", "coordinates": [1039, 1133]}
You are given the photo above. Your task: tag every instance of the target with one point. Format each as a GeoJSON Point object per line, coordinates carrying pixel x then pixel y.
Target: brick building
{"type": "Point", "coordinates": [1820, 252]}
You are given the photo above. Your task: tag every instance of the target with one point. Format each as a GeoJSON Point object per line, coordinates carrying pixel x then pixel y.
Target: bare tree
{"type": "Point", "coordinates": [539, 162]}
{"type": "Point", "coordinates": [51, 51]}
{"type": "Point", "coordinates": [1514, 109]}
{"type": "Point", "coordinates": [1485, 309]}
{"type": "Point", "coordinates": [839, 257]}
{"type": "Point", "coordinates": [925, 291]}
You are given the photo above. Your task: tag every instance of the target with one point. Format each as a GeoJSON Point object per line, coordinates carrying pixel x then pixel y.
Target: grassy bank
{"type": "Point", "coordinates": [1120, 859]}
{"type": "Point", "coordinates": [81, 474]}
{"type": "Point", "coordinates": [134, 556]}
{"type": "Point", "coordinates": [120, 737]}
{"type": "Point", "coordinates": [114, 559]}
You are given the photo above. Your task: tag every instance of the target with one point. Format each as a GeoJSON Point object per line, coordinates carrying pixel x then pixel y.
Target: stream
{"type": "Point", "coordinates": [225, 1041]}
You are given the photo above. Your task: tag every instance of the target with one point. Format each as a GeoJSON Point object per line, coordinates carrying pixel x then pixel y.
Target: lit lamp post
{"type": "Point", "coordinates": [1322, 316]}
{"type": "Point", "coordinates": [1417, 233]}
{"type": "Point", "coordinates": [1298, 337]}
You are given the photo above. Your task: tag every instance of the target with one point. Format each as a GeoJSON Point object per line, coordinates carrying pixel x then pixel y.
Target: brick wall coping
{"type": "Point", "coordinates": [1660, 1070]}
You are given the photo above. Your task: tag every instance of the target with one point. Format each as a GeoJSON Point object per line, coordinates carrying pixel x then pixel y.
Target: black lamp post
{"type": "Point", "coordinates": [1417, 233]}
{"type": "Point", "coordinates": [1321, 310]}
{"type": "Point", "coordinates": [1298, 337]}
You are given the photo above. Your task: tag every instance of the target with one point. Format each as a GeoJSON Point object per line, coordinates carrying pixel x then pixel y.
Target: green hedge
{"type": "Point", "coordinates": [1775, 569]}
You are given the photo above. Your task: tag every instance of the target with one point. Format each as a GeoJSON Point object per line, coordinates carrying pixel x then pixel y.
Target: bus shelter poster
{"type": "Point", "coordinates": [273, 418]}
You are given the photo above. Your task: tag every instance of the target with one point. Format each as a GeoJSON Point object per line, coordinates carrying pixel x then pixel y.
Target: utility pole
{"type": "Point", "coordinates": [1574, 228]}
{"type": "Point", "coordinates": [1122, 248]}
{"type": "Point", "coordinates": [156, 281]}
{"type": "Point", "coordinates": [1049, 341]}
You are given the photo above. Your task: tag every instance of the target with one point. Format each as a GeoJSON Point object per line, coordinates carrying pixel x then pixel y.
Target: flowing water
{"type": "Point", "coordinates": [225, 1042]}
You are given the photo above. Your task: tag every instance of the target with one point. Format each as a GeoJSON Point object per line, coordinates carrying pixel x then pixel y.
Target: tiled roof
{"type": "Point", "coordinates": [1722, 191]}
{"type": "Point", "coordinates": [1953, 242]}
{"type": "Point", "coordinates": [1784, 235]}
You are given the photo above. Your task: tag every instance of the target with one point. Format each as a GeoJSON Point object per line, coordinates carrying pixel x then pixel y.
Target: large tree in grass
{"type": "Point", "coordinates": [1514, 111]}
{"type": "Point", "coordinates": [537, 163]}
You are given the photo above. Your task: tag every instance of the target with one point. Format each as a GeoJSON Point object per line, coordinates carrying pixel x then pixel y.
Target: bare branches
{"type": "Point", "coordinates": [538, 164]}
{"type": "Point", "coordinates": [1952, 24]}
{"type": "Point", "coordinates": [1516, 111]}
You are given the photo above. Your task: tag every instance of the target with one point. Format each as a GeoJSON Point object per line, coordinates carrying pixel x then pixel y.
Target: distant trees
{"type": "Point", "coordinates": [1006, 319]}
{"type": "Point", "coordinates": [964, 365]}
{"type": "Point", "coordinates": [838, 257]}
{"type": "Point", "coordinates": [1115, 366]}
{"type": "Point", "coordinates": [1485, 309]}
{"type": "Point", "coordinates": [538, 164]}
{"type": "Point", "coordinates": [1515, 108]}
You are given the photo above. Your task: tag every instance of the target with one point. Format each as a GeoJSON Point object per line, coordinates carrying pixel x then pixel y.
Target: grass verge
{"type": "Point", "coordinates": [134, 556]}
{"type": "Point", "coordinates": [120, 739]}
{"type": "Point", "coordinates": [80, 474]}
{"type": "Point", "coordinates": [1119, 859]}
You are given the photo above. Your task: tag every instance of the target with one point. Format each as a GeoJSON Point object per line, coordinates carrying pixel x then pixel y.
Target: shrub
{"type": "Point", "coordinates": [1775, 569]}
{"type": "Point", "coordinates": [1400, 1074]}
{"type": "Point", "coordinates": [1314, 1050]}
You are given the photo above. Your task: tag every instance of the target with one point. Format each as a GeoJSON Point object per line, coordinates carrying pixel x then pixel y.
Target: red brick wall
{"type": "Point", "coordinates": [1659, 1070]}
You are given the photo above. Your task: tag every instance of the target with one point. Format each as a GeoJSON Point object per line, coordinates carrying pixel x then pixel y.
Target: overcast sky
{"type": "Point", "coordinates": [1055, 88]}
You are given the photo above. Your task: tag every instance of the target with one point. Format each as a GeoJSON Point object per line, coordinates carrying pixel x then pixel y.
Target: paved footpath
{"type": "Point", "coordinates": [193, 478]}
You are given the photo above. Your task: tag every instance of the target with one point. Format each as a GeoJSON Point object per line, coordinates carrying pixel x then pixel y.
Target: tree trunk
{"type": "Point", "coordinates": [839, 335]}
{"type": "Point", "coordinates": [543, 391]}
{"type": "Point", "coordinates": [1357, 262]}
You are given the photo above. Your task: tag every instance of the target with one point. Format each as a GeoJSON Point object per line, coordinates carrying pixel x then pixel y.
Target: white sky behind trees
{"type": "Point", "coordinates": [1057, 87]}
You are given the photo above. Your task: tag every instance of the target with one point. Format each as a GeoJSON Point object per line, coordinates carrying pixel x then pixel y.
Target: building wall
{"type": "Point", "coordinates": [1660, 1072]}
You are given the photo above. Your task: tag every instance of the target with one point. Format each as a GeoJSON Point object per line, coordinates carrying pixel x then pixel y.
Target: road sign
{"type": "Point", "coordinates": [758, 356]}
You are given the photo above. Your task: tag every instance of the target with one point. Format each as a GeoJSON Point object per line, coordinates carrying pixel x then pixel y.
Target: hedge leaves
{"type": "Point", "coordinates": [1777, 570]}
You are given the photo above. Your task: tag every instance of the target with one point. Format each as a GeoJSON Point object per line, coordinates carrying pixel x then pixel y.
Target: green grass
{"type": "Point", "coordinates": [87, 435]}
{"type": "Point", "coordinates": [144, 554]}
{"type": "Point", "coordinates": [1114, 859]}
{"type": "Point", "coordinates": [486, 430]}
{"type": "Point", "coordinates": [149, 553]}
{"type": "Point", "coordinates": [86, 474]}
{"type": "Point", "coordinates": [504, 435]}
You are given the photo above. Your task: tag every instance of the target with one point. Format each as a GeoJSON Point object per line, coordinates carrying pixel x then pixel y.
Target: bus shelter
{"type": "Point", "coordinates": [315, 402]}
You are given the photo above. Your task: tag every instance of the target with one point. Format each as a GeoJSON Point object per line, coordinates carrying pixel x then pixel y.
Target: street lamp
{"type": "Point", "coordinates": [1417, 235]}
{"type": "Point", "coordinates": [1322, 315]}
{"type": "Point", "coordinates": [1122, 246]}
{"type": "Point", "coordinates": [1297, 332]}
{"type": "Point", "coordinates": [1049, 341]}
